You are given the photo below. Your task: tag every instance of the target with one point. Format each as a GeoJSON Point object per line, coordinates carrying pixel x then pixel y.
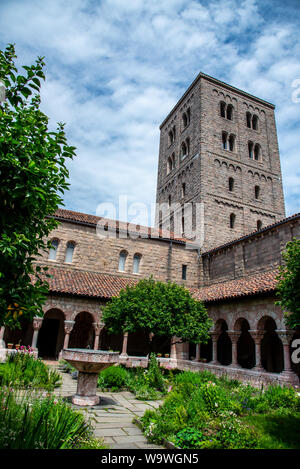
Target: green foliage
{"type": "Point", "coordinates": [154, 375]}
{"type": "Point", "coordinates": [37, 422]}
{"type": "Point", "coordinates": [164, 309]}
{"type": "Point", "coordinates": [113, 378]}
{"type": "Point", "coordinates": [288, 287]}
{"type": "Point", "coordinates": [33, 179]}
{"type": "Point", "coordinates": [23, 370]}
{"type": "Point", "coordinates": [203, 411]}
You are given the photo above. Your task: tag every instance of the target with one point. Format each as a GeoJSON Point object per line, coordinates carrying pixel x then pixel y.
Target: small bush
{"type": "Point", "coordinates": [189, 438]}
{"type": "Point", "coordinates": [113, 378]}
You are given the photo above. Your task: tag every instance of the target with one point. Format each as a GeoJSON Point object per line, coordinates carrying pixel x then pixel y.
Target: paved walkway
{"type": "Point", "coordinates": [112, 419]}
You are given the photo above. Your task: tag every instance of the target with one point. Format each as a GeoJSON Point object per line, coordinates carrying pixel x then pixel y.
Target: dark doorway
{"type": "Point", "coordinates": [271, 348]}
{"type": "Point", "coordinates": [47, 338]}
{"type": "Point", "coordinates": [245, 347]}
{"type": "Point", "coordinates": [206, 351]}
{"type": "Point", "coordinates": [82, 335]}
{"type": "Point", "coordinates": [224, 347]}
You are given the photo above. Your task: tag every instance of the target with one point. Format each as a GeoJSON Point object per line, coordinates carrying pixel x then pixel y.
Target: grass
{"type": "Point", "coordinates": [277, 431]}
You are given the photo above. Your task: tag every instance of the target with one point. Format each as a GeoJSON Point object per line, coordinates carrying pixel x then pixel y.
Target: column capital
{"type": "Point", "coordinates": [285, 336]}
{"type": "Point", "coordinates": [215, 335]}
{"type": "Point", "coordinates": [37, 323]}
{"type": "Point", "coordinates": [68, 326]}
{"type": "Point", "coordinates": [256, 335]}
{"type": "Point", "coordinates": [234, 335]}
{"type": "Point", "coordinates": [98, 326]}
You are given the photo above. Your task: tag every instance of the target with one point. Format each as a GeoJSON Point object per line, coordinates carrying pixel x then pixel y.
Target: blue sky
{"type": "Point", "coordinates": [115, 69]}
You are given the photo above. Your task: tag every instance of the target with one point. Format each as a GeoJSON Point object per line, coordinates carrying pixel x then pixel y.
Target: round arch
{"type": "Point", "coordinates": [51, 335]}
{"type": "Point", "coordinates": [82, 334]}
{"type": "Point", "coordinates": [271, 346]}
{"type": "Point", "coordinates": [245, 344]}
{"type": "Point", "coordinates": [224, 346]}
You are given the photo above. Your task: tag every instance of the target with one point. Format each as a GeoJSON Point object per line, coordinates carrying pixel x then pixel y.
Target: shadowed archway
{"type": "Point", "coordinates": [51, 335]}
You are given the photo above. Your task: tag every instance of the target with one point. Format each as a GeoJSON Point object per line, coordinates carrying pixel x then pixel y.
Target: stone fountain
{"type": "Point", "coordinates": [89, 363]}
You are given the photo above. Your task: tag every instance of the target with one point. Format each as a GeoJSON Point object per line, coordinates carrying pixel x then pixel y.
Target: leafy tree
{"type": "Point", "coordinates": [33, 177]}
{"type": "Point", "coordinates": [288, 287]}
{"type": "Point", "coordinates": [162, 309]}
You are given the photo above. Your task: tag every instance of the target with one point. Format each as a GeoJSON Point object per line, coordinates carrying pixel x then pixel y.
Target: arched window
{"type": "Point", "coordinates": [136, 263]}
{"type": "Point", "coordinates": [171, 137]}
{"type": "Point", "coordinates": [183, 189]}
{"type": "Point", "coordinates": [184, 151]}
{"type": "Point", "coordinates": [53, 249]}
{"type": "Point", "coordinates": [230, 184]}
{"type": "Point", "coordinates": [231, 142]}
{"type": "Point", "coordinates": [250, 149]}
{"type": "Point", "coordinates": [255, 122]}
{"type": "Point", "coordinates": [184, 120]}
{"type": "Point", "coordinates": [169, 165]}
{"type": "Point", "coordinates": [224, 140]}
{"type": "Point", "coordinates": [259, 225]}
{"type": "Point", "coordinates": [232, 220]}
{"type": "Point", "coordinates": [257, 191]}
{"type": "Point", "coordinates": [229, 112]}
{"type": "Point", "coordinates": [257, 152]}
{"type": "Point", "coordinates": [69, 251]}
{"type": "Point", "coordinates": [222, 109]}
{"type": "Point", "coordinates": [122, 261]}
{"type": "Point", "coordinates": [248, 119]}
{"type": "Point", "coordinates": [169, 201]}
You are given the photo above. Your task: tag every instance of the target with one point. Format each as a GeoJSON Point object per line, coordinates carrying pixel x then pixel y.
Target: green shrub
{"type": "Point", "coordinates": [154, 376]}
{"type": "Point", "coordinates": [113, 378]}
{"type": "Point", "coordinates": [234, 434]}
{"type": "Point", "coordinates": [22, 369]}
{"type": "Point", "coordinates": [32, 421]}
{"type": "Point", "coordinates": [284, 397]}
{"type": "Point", "coordinates": [194, 378]}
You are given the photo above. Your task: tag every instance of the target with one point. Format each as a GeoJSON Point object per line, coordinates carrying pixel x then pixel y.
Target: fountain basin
{"type": "Point", "coordinates": [89, 363]}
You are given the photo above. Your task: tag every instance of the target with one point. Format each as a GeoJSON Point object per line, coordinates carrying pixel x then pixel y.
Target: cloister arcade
{"type": "Point", "coordinates": [264, 347]}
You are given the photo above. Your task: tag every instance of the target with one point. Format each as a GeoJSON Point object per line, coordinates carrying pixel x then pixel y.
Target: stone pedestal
{"type": "Point", "coordinates": [89, 363]}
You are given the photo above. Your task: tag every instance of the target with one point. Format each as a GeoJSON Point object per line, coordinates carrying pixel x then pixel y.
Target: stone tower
{"type": "Point", "coordinates": [219, 158]}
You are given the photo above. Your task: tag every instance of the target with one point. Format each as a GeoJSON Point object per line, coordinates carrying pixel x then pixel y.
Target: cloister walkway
{"type": "Point", "coordinates": [112, 419]}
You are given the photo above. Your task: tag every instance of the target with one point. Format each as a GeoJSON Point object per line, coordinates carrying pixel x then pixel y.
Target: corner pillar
{"type": "Point", "coordinates": [37, 324]}
{"type": "Point", "coordinates": [68, 327]}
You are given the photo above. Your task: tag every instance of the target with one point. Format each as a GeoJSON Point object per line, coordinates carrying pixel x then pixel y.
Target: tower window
{"type": "Point", "coordinates": [224, 140]}
{"type": "Point", "coordinates": [254, 122]}
{"type": "Point", "coordinates": [69, 251]}
{"type": "Point", "coordinates": [222, 109]}
{"type": "Point", "coordinates": [259, 225]}
{"type": "Point", "coordinates": [229, 112]}
{"type": "Point", "coordinates": [248, 119]}
{"type": "Point", "coordinates": [250, 149]}
{"type": "Point", "coordinates": [169, 201]}
{"type": "Point", "coordinates": [184, 149]}
{"type": "Point", "coordinates": [257, 191]}
{"type": "Point", "coordinates": [183, 272]}
{"type": "Point", "coordinates": [136, 263]}
{"type": "Point", "coordinates": [230, 184]}
{"type": "Point", "coordinates": [170, 163]}
{"type": "Point", "coordinates": [53, 249]}
{"type": "Point", "coordinates": [183, 189]}
{"type": "Point", "coordinates": [257, 152]}
{"type": "Point", "coordinates": [231, 142]}
{"type": "Point", "coordinates": [122, 261]}
{"type": "Point", "coordinates": [232, 220]}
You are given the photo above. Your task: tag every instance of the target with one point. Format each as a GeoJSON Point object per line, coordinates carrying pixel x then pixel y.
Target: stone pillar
{"type": "Point", "coordinates": [2, 343]}
{"type": "Point", "coordinates": [98, 326]}
{"type": "Point", "coordinates": [37, 324]}
{"type": "Point", "coordinates": [257, 336]}
{"type": "Point", "coordinates": [124, 348]}
{"type": "Point", "coordinates": [286, 337]}
{"type": "Point", "coordinates": [68, 326]}
{"type": "Point", "coordinates": [234, 337]}
{"type": "Point", "coordinates": [214, 336]}
{"type": "Point", "coordinates": [197, 358]}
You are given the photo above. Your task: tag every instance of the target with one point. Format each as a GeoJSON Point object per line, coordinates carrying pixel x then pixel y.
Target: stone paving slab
{"type": "Point", "coordinates": [112, 421]}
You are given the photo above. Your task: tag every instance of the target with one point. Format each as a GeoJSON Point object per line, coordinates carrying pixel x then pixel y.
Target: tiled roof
{"type": "Point", "coordinates": [93, 220]}
{"type": "Point", "coordinates": [83, 283]}
{"type": "Point", "coordinates": [97, 285]}
{"type": "Point", "coordinates": [256, 284]}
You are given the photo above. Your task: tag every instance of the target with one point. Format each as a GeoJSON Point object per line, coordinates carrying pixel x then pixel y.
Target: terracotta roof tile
{"type": "Point", "coordinates": [98, 285]}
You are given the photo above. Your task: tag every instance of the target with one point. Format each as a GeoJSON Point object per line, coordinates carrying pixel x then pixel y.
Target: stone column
{"type": "Point", "coordinates": [234, 337]}
{"type": "Point", "coordinates": [98, 326]}
{"type": "Point", "coordinates": [124, 348]}
{"type": "Point", "coordinates": [214, 336]}
{"type": "Point", "coordinates": [286, 337]}
{"type": "Point", "coordinates": [173, 350]}
{"type": "Point", "coordinates": [257, 336]}
{"type": "Point", "coordinates": [68, 326]}
{"type": "Point", "coordinates": [197, 358]}
{"type": "Point", "coordinates": [2, 343]}
{"type": "Point", "coordinates": [37, 324]}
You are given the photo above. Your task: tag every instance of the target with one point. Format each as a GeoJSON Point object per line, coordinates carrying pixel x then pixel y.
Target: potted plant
{"type": "Point", "coordinates": [158, 355]}
{"type": "Point", "coordinates": [17, 346]}
{"type": "Point", "coordinates": [10, 346]}
{"type": "Point", "coordinates": [167, 355]}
